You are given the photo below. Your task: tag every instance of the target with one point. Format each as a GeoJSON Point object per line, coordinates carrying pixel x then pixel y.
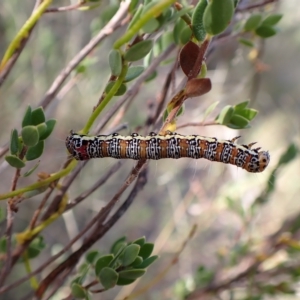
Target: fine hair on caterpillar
{"type": "Point", "coordinates": [170, 145]}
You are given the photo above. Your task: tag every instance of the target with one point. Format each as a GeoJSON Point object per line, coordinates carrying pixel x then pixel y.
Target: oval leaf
{"type": "Point", "coordinates": [115, 62]}
{"type": "Point", "coordinates": [265, 31]}
{"type": "Point", "coordinates": [188, 57]}
{"type": "Point", "coordinates": [225, 115]}
{"type": "Point", "coordinates": [132, 274]}
{"type": "Point", "coordinates": [272, 19]}
{"type": "Point", "coordinates": [50, 126]}
{"type": "Point", "coordinates": [27, 117]}
{"type": "Point", "coordinates": [14, 142]}
{"type": "Point", "coordinates": [91, 256]}
{"type": "Point", "coordinates": [146, 250]}
{"type": "Point", "coordinates": [139, 50]}
{"type": "Point", "coordinates": [30, 135]}
{"type": "Point", "coordinates": [137, 262]}
{"type": "Point", "coordinates": [37, 116]}
{"type": "Point", "coordinates": [148, 261]}
{"type": "Point", "coordinates": [197, 21]}
{"type": "Point", "coordinates": [124, 281]}
{"type": "Point", "coordinates": [130, 254]}
{"type": "Point", "coordinates": [78, 291]}
{"type": "Point", "coordinates": [238, 120]}
{"type": "Point", "coordinates": [141, 241]}
{"type": "Point", "coordinates": [14, 161]}
{"type": "Point", "coordinates": [42, 128]}
{"type": "Point", "coordinates": [134, 72]}
{"type": "Point", "coordinates": [217, 16]}
{"type": "Point", "coordinates": [103, 262]}
{"type": "Point", "coordinates": [185, 35]}
{"type": "Point", "coordinates": [121, 91]}
{"type": "Point", "coordinates": [253, 22]}
{"type": "Point", "coordinates": [108, 277]}
{"type": "Point", "coordinates": [197, 87]}
{"type": "Point", "coordinates": [35, 151]}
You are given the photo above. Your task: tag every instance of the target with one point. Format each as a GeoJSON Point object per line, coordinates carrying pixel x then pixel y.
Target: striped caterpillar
{"type": "Point", "coordinates": [171, 145]}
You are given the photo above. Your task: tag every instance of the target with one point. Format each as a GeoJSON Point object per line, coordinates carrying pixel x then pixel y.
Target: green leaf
{"type": "Point", "coordinates": [136, 16]}
{"type": "Point", "coordinates": [146, 250]}
{"type": "Point", "coordinates": [37, 116]}
{"type": "Point", "coordinates": [91, 256]}
{"type": "Point", "coordinates": [115, 62]}
{"type": "Point", "coordinates": [272, 19]}
{"type": "Point", "coordinates": [197, 20]}
{"type": "Point", "coordinates": [50, 126]}
{"type": "Point", "coordinates": [14, 161]}
{"type": "Point", "coordinates": [225, 115]}
{"type": "Point", "coordinates": [239, 121]}
{"type": "Point", "coordinates": [35, 151]}
{"type": "Point", "coordinates": [148, 261]}
{"type": "Point", "coordinates": [265, 31]}
{"type": "Point", "coordinates": [185, 35]}
{"type": "Point", "coordinates": [35, 247]}
{"type": "Point", "coordinates": [217, 16]}
{"type": "Point", "coordinates": [151, 76]}
{"type": "Point", "coordinates": [141, 241]}
{"type": "Point", "coordinates": [137, 261]}
{"type": "Point", "coordinates": [209, 110]}
{"type": "Point", "coordinates": [139, 50]}
{"type": "Point", "coordinates": [117, 245]}
{"type": "Point", "coordinates": [14, 142]}
{"type": "Point", "coordinates": [203, 276]}
{"type": "Point", "coordinates": [151, 26]}
{"type": "Point", "coordinates": [253, 22]}
{"type": "Point", "coordinates": [179, 26]}
{"type": "Point", "coordinates": [130, 254]}
{"type": "Point", "coordinates": [27, 117]}
{"type": "Point", "coordinates": [290, 154]}
{"type": "Point", "coordinates": [248, 113]}
{"type": "Point", "coordinates": [103, 262]}
{"type": "Point", "coordinates": [78, 291]}
{"type": "Point", "coordinates": [121, 91]}
{"type": "Point", "coordinates": [108, 277]}
{"type": "Point", "coordinates": [133, 72]}
{"type": "Point", "coordinates": [241, 106]}
{"type": "Point", "coordinates": [3, 244]}
{"type": "Point", "coordinates": [132, 274]}
{"type": "Point", "coordinates": [30, 171]}
{"type": "Point", "coordinates": [42, 128]}
{"type": "Point", "coordinates": [30, 135]}
{"type": "Point", "coordinates": [246, 42]}
{"type": "Point", "coordinates": [124, 281]}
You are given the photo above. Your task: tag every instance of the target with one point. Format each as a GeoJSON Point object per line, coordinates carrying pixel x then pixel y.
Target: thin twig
{"type": "Point", "coordinates": [108, 29]}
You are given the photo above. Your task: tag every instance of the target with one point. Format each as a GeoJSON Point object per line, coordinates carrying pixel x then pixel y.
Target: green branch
{"type": "Point", "coordinates": [153, 12]}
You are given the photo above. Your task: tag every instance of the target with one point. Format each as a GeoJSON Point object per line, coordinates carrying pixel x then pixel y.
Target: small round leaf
{"type": "Point", "coordinates": [146, 250]}
{"type": "Point", "coordinates": [27, 117]}
{"type": "Point", "coordinates": [121, 91]}
{"type": "Point", "coordinates": [253, 22]}
{"type": "Point", "coordinates": [30, 135]}
{"type": "Point", "coordinates": [148, 261]}
{"type": "Point", "coordinates": [134, 72]}
{"type": "Point", "coordinates": [265, 31]}
{"type": "Point", "coordinates": [78, 291]}
{"type": "Point", "coordinates": [217, 16]}
{"type": "Point", "coordinates": [115, 62]}
{"type": "Point", "coordinates": [225, 115]}
{"type": "Point", "coordinates": [50, 126]}
{"type": "Point", "coordinates": [91, 256]}
{"type": "Point", "coordinates": [124, 281]}
{"type": "Point", "coordinates": [141, 241]}
{"type": "Point", "coordinates": [42, 128]}
{"type": "Point", "coordinates": [238, 120]}
{"type": "Point", "coordinates": [132, 274]}
{"type": "Point", "coordinates": [130, 254]}
{"type": "Point", "coordinates": [137, 262]}
{"type": "Point", "coordinates": [139, 50]}
{"type": "Point", "coordinates": [14, 142]}
{"type": "Point", "coordinates": [35, 151]}
{"type": "Point", "coordinates": [37, 116]}
{"type": "Point", "coordinates": [103, 262]}
{"type": "Point", "coordinates": [108, 277]}
{"type": "Point", "coordinates": [14, 161]}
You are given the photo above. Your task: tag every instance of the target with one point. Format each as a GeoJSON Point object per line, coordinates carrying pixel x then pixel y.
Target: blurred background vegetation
{"type": "Point", "coordinates": [234, 218]}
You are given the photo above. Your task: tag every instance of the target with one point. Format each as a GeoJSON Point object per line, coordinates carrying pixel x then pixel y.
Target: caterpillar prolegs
{"type": "Point", "coordinates": [171, 145]}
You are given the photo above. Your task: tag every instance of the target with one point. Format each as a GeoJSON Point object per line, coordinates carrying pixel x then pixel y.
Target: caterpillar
{"type": "Point", "coordinates": [171, 145]}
